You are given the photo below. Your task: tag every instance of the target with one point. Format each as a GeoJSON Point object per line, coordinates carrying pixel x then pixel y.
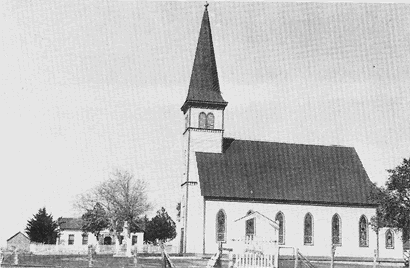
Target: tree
{"type": "Point", "coordinates": [394, 200]}
{"type": "Point", "coordinates": [160, 228]}
{"type": "Point", "coordinates": [122, 197]}
{"type": "Point", "coordinates": [42, 228]}
{"type": "Point", "coordinates": [95, 220]}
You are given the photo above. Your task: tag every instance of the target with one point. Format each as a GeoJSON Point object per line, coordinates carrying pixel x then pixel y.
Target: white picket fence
{"type": "Point", "coordinates": [254, 260]}
{"type": "Point", "coordinates": [42, 249]}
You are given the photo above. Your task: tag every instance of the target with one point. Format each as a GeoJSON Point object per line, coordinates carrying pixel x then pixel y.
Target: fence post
{"type": "Point", "coordinates": [90, 255]}
{"type": "Point", "coordinates": [230, 264]}
{"type": "Point", "coordinates": [332, 256]}
{"type": "Point", "coordinates": [16, 257]}
{"type": "Point", "coordinates": [276, 260]}
{"type": "Point", "coordinates": [296, 257]}
{"type": "Point", "coordinates": [135, 256]}
{"type": "Point", "coordinates": [375, 259]}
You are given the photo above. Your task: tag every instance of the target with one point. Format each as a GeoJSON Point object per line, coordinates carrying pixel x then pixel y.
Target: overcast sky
{"type": "Point", "coordinates": [90, 86]}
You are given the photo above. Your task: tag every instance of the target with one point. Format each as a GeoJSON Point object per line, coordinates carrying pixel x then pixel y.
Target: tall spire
{"type": "Point", "coordinates": [204, 85]}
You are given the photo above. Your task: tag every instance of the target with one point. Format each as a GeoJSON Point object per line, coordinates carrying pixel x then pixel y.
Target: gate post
{"type": "Point", "coordinates": [332, 256]}
{"type": "Point", "coordinates": [296, 257]}
{"type": "Point", "coordinates": [276, 260]}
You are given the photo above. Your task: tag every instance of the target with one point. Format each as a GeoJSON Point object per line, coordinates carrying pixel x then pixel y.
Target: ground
{"type": "Point", "coordinates": [155, 261]}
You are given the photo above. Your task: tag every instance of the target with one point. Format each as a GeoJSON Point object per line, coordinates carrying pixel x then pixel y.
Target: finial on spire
{"type": "Point", "coordinates": [206, 5]}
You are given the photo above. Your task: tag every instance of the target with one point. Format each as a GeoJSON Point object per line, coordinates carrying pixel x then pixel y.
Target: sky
{"type": "Point", "coordinates": [88, 87]}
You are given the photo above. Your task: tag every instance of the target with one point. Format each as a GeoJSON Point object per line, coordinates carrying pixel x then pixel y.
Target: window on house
{"type": "Point", "coordinates": [389, 239]}
{"type": "Point", "coordinates": [279, 218]}
{"type": "Point", "coordinates": [202, 120]}
{"type": "Point", "coordinates": [363, 232]}
{"type": "Point", "coordinates": [308, 229]}
{"type": "Point", "coordinates": [336, 230]}
{"type": "Point", "coordinates": [85, 239]}
{"type": "Point", "coordinates": [221, 226]}
{"type": "Point", "coordinates": [71, 239]}
{"type": "Point", "coordinates": [134, 240]}
{"type": "Point", "coordinates": [210, 119]}
{"type": "Point", "coordinates": [107, 240]}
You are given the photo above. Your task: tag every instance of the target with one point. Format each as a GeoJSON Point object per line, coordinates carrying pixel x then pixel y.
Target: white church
{"type": "Point", "coordinates": [305, 196]}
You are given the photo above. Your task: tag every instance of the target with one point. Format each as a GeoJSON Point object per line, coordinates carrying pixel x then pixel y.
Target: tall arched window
{"type": "Point", "coordinates": [210, 119]}
{"type": "Point", "coordinates": [308, 229]}
{"type": "Point", "coordinates": [389, 239]}
{"type": "Point", "coordinates": [336, 230]}
{"type": "Point", "coordinates": [221, 226]}
{"type": "Point", "coordinates": [363, 232]}
{"type": "Point", "coordinates": [280, 219]}
{"type": "Point", "coordinates": [202, 120]}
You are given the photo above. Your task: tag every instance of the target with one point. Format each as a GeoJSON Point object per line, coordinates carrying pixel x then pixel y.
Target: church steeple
{"type": "Point", "coordinates": [204, 85]}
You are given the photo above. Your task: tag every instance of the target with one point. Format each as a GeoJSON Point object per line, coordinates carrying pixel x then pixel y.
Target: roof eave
{"type": "Point", "coordinates": [300, 202]}
{"type": "Point", "coordinates": [203, 104]}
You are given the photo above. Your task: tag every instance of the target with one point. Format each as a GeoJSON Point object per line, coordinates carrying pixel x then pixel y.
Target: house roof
{"type": "Point", "coordinates": [17, 234]}
{"type": "Point", "coordinates": [70, 223]}
{"type": "Point", "coordinates": [281, 172]}
{"type": "Point", "coordinates": [204, 85]}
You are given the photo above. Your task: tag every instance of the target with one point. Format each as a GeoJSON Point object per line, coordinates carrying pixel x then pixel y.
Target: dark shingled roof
{"type": "Point", "coordinates": [204, 86]}
{"type": "Point", "coordinates": [271, 171]}
{"type": "Point", "coordinates": [70, 223]}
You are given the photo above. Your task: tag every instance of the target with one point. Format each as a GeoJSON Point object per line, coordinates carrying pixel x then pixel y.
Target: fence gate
{"type": "Point", "coordinates": [254, 260]}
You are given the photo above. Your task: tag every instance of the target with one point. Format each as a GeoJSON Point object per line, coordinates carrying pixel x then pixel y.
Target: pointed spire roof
{"type": "Point", "coordinates": [204, 86]}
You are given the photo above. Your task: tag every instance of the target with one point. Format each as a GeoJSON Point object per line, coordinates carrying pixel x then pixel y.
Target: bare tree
{"type": "Point", "coordinates": [122, 197]}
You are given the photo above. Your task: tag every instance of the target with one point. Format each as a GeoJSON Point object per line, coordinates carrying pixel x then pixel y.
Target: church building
{"type": "Point", "coordinates": [310, 196]}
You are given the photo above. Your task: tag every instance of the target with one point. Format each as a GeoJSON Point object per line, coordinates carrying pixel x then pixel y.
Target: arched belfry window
{"type": "Point", "coordinates": [221, 226]}
{"type": "Point", "coordinates": [363, 232]}
{"type": "Point", "coordinates": [202, 120]}
{"type": "Point", "coordinates": [336, 230]}
{"type": "Point", "coordinates": [389, 239]}
{"type": "Point", "coordinates": [210, 121]}
{"type": "Point", "coordinates": [280, 219]}
{"type": "Point", "coordinates": [308, 229]}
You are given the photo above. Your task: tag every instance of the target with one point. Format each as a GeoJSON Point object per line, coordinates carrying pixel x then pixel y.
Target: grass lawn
{"type": "Point", "coordinates": [145, 262]}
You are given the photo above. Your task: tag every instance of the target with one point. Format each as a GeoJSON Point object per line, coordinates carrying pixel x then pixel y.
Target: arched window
{"type": "Point", "coordinates": [363, 232]}
{"type": "Point", "coordinates": [210, 119]}
{"type": "Point", "coordinates": [308, 229]}
{"type": "Point", "coordinates": [221, 226]}
{"type": "Point", "coordinates": [336, 230]}
{"type": "Point", "coordinates": [389, 239]}
{"type": "Point", "coordinates": [280, 219]}
{"type": "Point", "coordinates": [250, 226]}
{"type": "Point", "coordinates": [202, 120]}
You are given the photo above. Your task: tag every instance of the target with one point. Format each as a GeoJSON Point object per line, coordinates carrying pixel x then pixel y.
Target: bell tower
{"type": "Point", "coordinates": [203, 110]}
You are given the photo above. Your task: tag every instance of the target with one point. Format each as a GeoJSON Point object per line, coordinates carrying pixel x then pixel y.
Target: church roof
{"type": "Point", "coordinates": [281, 172]}
{"type": "Point", "coordinates": [204, 85]}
